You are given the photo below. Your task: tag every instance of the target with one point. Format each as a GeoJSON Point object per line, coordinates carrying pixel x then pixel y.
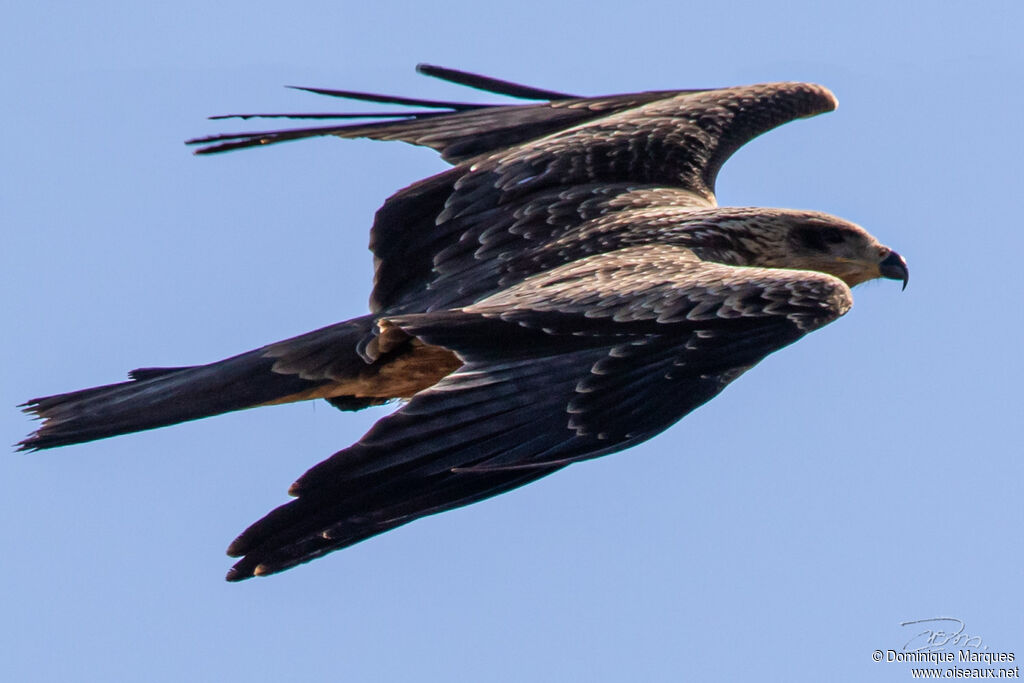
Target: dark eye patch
{"type": "Point", "coordinates": [815, 238]}
{"type": "Point", "coordinates": [832, 235]}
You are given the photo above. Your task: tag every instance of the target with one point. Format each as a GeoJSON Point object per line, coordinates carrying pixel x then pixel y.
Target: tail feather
{"type": "Point", "coordinates": [157, 397]}
{"type": "Point", "coordinates": [149, 401]}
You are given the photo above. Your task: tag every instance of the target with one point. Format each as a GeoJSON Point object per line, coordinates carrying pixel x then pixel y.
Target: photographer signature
{"type": "Point", "coordinates": [938, 633]}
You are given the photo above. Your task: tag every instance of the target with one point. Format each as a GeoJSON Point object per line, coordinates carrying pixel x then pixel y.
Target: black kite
{"type": "Point", "coordinates": [569, 288]}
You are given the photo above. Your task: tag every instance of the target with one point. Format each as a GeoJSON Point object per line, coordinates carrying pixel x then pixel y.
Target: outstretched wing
{"type": "Point", "coordinates": [578, 362]}
{"type": "Point", "coordinates": [666, 151]}
{"type": "Point", "coordinates": [528, 174]}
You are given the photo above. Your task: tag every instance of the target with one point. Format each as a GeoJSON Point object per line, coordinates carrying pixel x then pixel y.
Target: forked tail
{"type": "Point", "coordinates": [157, 397]}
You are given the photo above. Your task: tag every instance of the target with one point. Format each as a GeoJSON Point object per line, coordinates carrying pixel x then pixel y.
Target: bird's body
{"type": "Point", "coordinates": [567, 289]}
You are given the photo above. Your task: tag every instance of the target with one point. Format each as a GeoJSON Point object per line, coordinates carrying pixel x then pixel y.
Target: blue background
{"type": "Point", "coordinates": [868, 475]}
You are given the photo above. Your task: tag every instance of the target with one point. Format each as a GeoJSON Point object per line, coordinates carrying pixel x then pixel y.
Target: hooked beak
{"type": "Point", "coordinates": [894, 267]}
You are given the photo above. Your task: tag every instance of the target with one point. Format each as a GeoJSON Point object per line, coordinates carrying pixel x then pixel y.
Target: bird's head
{"type": "Point", "coordinates": [831, 245]}
{"type": "Point", "coordinates": [803, 240]}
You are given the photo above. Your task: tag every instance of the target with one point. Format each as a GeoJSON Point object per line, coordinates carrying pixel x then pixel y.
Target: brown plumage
{"type": "Point", "coordinates": [567, 289]}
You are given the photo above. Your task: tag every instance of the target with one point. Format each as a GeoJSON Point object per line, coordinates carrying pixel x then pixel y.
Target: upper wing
{"type": "Point", "coordinates": [538, 170]}
{"type": "Point", "coordinates": [668, 150]}
{"type": "Point", "coordinates": [581, 361]}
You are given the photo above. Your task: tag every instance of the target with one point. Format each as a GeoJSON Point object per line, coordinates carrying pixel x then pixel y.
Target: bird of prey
{"type": "Point", "coordinates": [567, 289]}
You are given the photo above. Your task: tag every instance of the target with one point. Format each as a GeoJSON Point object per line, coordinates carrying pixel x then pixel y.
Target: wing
{"type": "Point", "coordinates": [667, 150]}
{"type": "Point", "coordinates": [535, 171]}
{"type": "Point", "coordinates": [578, 362]}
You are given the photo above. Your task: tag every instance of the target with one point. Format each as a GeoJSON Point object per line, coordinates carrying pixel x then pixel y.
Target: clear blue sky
{"type": "Point", "coordinates": [868, 475]}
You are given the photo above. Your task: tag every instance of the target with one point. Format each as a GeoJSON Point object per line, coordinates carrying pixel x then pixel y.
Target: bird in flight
{"type": "Point", "coordinates": [567, 289]}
